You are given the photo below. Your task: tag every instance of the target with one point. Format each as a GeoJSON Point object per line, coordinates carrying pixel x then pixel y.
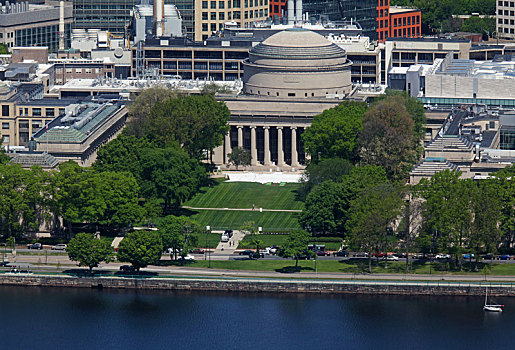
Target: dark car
{"type": "Point", "coordinates": [256, 255]}
{"type": "Point", "coordinates": [228, 233]}
{"type": "Point", "coordinates": [504, 257]}
{"type": "Point", "coordinates": [343, 253]}
{"type": "Point", "coordinates": [127, 268]}
{"type": "Point", "coordinates": [35, 246]}
{"type": "Point", "coordinates": [5, 264]}
{"type": "Point", "coordinates": [247, 252]}
{"type": "Point", "coordinates": [197, 251]}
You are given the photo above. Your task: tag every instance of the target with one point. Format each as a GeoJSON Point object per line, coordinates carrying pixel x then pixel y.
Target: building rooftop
{"type": "Point", "coordinates": [400, 9]}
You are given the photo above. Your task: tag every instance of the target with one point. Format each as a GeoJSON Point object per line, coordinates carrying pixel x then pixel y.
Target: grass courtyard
{"type": "Point", "coordinates": [243, 195]}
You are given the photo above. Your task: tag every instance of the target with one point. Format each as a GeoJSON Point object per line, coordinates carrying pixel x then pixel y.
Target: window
{"type": "Point", "coordinates": [204, 27]}
{"type": "Point", "coordinates": [7, 139]}
{"type": "Point", "coordinates": [5, 126]}
{"type": "Point", "coordinates": [50, 112]}
{"type": "Point", "coordinates": [213, 4]}
{"type": "Point", "coordinates": [204, 4]}
{"type": "Point", "coordinates": [5, 110]}
{"type": "Point", "coordinates": [204, 16]}
{"type": "Point", "coordinates": [78, 70]}
{"type": "Point", "coordinates": [59, 70]}
{"type": "Point", "coordinates": [88, 70]}
{"type": "Point", "coordinates": [61, 111]}
{"type": "Point", "coordinates": [36, 124]}
{"type": "Point", "coordinates": [291, 94]}
{"type": "Point", "coordinates": [69, 71]}
{"type": "Point", "coordinates": [221, 4]}
{"type": "Point", "coordinates": [213, 16]}
{"type": "Point", "coordinates": [213, 27]}
{"type": "Point", "coordinates": [221, 16]}
{"type": "Point", "coordinates": [36, 112]}
{"type": "Point", "coordinates": [20, 111]}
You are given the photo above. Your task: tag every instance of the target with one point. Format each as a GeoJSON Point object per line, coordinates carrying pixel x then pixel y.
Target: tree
{"type": "Point", "coordinates": [4, 49]}
{"type": "Point", "coordinates": [387, 138]}
{"type": "Point", "coordinates": [295, 246]}
{"type": "Point", "coordinates": [169, 174]}
{"type": "Point", "coordinates": [179, 233]}
{"type": "Point", "coordinates": [326, 169]}
{"type": "Point", "coordinates": [239, 156]}
{"type": "Point", "coordinates": [4, 158]}
{"type": "Point", "coordinates": [476, 24]}
{"type": "Point", "coordinates": [371, 216]}
{"type": "Point", "coordinates": [197, 123]}
{"type": "Point", "coordinates": [250, 228]}
{"type": "Point", "coordinates": [141, 248]}
{"type": "Point", "coordinates": [141, 109]}
{"type": "Point", "coordinates": [334, 133]}
{"type": "Point", "coordinates": [89, 251]}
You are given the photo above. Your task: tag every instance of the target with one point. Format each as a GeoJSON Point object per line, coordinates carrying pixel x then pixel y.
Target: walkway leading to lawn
{"type": "Point", "coordinates": [232, 245]}
{"type": "Point", "coordinates": [245, 209]}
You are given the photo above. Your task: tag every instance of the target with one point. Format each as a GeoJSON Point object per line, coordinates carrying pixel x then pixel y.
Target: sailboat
{"type": "Point", "coordinates": [491, 307]}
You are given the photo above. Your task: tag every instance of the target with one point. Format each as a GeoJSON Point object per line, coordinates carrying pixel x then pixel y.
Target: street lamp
{"type": "Point", "coordinates": [208, 228]}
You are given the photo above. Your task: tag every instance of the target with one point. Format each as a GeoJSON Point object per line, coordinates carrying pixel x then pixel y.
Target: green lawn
{"type": "Point", "coordinates": [245, 194]}
{"type": "Point", "coordinates": [350, 266]}
{"type": "Point", "coordinates": [269, 221]}
{"type": "Point", "coordinates": [212, 240]}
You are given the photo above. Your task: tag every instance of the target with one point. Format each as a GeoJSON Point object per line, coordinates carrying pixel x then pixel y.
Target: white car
{"type": "Point", "coordinates": [392, 258]}
{"type": "Point", "coordinates": [61, 246]}
{"type": "Point", "coordinates": [188, 257]}
{"type": "Point", "coordinates": [442, 256]}
{"type": "Point", "coordinates": [225, 238]}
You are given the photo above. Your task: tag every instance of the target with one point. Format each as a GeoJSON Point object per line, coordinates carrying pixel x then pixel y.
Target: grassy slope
{"type": "Point", "coordinates": [331, 243]}
{"type": "Point", "coordinates": [245, 194]}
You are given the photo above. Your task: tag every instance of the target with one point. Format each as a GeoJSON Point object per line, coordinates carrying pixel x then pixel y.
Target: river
{"type": "Point", "coordinates": [68, 318]}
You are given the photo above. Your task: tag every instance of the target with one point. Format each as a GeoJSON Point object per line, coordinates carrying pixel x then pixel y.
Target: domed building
{"type": "Point", "coordinates": [297, 63]}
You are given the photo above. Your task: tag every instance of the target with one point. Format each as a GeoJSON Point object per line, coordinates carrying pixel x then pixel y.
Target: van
{"type": "Point", "coordinates": [225, 238]}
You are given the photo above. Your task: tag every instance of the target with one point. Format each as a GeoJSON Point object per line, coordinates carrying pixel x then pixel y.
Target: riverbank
{"type": "Point", "coordinates": [260, 285]}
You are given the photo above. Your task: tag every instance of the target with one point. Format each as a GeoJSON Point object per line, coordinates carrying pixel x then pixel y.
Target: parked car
{"type": "Point", "coordinates": [197, 251]}
{"type": "Point", "coordinates": [392, 258]}
{"type": "Point", "coordinates": [400, 255]}
{"type": "Point", "coordinates": [5, 264]}
{"type": "Point", "coordinates": [341, 253]}
{"type": "Point", "coordinates": [127, 268]}
{"type": "Point", "coordinates": [188, 257]}
{"type": "Point", "coordinates": [229, 233]}
{"type": "Point", "coordinates": [60, 246]}
{"type": "Point", "coordinates": [323, 253]}
{"type": "Point", "coordinates": [35, 246]}
{"type": "Point", "coordinates": [274, 249]}
{"type": "Point", "coordinates": [256, 255]}
{"type": "Point", "coordinates": [379, 255]}
{"type": "Point", "coordinates": [488, 257]}
{"type": "Point", "coordinates": [247, 252]}
{"type": "Point", "coordinates": [504, 257]}
{"type": "Point", "coordinates": [468, 256]}
{"type": "Point", "coordinates": [418, 256]}
{"type": "Point", "coordinates": [442, 256]}
{"type": "Point", "coordinates": [360, 255]}
{"type": "Point", "coordinates": [224, 238]}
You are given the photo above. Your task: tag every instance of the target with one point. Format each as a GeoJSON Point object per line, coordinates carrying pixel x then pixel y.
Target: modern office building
{"type": "Point", "coordinates": [505, 19]}
{"type": "Point", "coordinates": [24, 24]}
{"type": "Point", "coordinates": [107, 15]}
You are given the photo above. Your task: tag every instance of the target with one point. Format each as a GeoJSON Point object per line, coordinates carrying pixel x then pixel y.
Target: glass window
{"type": "Point", "coordinates": [50, 112]}
{"type": "Point", "coordinates": [5, 126]}
{"type": "Point", "coordinates": [213, 4]}
{"type": "Point", "coordinates": [204, 16]}
{"type": "Point", "coordinates": [204, 4]}
{"type": "Point", "coordinates": [36, 112]}
{"type": "Point", "coordinates": [213, 16]}
{"type": "Point", "coordinates": [221, 16]}
{"type": "Point", "coordinates": [221, 4]}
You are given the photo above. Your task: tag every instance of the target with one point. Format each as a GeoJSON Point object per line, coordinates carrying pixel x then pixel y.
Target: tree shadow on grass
{"type": "Point", "coordinates": [136, 274]}
{"type": "Point", "coordinates": [85, 273]}
{"type": "Point", "coordinates": [183, 212]}
{"type": "Point", "coordinates": [293, 269]}
{"type": "Point", "coordinates": [174, 263]}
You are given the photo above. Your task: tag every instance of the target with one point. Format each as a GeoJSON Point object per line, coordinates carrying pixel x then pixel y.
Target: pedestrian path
{"type": "Point", "coordinates": [245, 209]}
{"type": "Point", "coordinates": [232, 245]}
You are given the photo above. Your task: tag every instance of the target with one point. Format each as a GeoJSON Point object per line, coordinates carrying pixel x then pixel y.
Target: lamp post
{"type": "Point", "coordinates": [208, 228]}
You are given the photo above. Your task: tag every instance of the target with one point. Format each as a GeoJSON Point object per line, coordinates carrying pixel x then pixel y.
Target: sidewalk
{"type": "Point", "coordinates": [231, 246]}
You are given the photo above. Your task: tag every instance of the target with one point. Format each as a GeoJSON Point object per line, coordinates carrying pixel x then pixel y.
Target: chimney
{"type": "Point", "coordinates": [159, 9]}
{"type": "Point", "coordinates": [298, 8]}
{"type": "Point", "coordinates": [61, 25]}
{"type": "Point", "coordinates": [291, 12]}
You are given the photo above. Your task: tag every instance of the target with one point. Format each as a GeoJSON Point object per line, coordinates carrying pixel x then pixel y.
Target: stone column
{"type": "Point", "coordinates": [280, 152]}
{"type": "Point", "coordinates": [294, 155]}
{"type": "Point", "coordinates": [227, 146]}
{"type": "Point", "coordinates": [267, 146]}
{"type": "Point", "coordinates": [253, 146]}
{"type": "Point", "coordinates": [240, 136]}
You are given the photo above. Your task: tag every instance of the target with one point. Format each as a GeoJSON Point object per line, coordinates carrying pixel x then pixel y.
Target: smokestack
{"type": "Point", "coordinates": [61, 25]}
{"type": "Point", "coordinates": [291, 12]}
{"type": "Point", "coordinates": [298, 7]}
{"type": "Point", "coordinates": [159, 10]}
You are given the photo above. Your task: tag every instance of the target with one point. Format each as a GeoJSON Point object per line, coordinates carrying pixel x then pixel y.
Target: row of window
{"type": "Point", "coordinates": [506, 21]}
{"type": "Point", "coordinates": [36, 112]}
{"type": "Point", "coordinates": [507, 30]}
{"type": "Point", "coordinates": [406, 21]}
{"type": "Point", "coordinates": [506, 4]}
{"type": "Point", "coordinates": [233, 4]}
{"type": "Point", "coordinates": [237, 15]}
{"type": "Point", "coordinates": [78, 70]}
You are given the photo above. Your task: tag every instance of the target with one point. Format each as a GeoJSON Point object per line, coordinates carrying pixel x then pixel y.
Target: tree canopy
{"type": "Point", "coordinates": [295, 246]}
{"type": "Point", "coordinates": [89, 251]}
{"type": "Point", "coordinates": [179, 233]}
{"type": "Point", "coordinates": [240, 156]}
{"type": "Point", "coordinates": [334, 133]}
{"type": "Point", "coordinates": [141, 248]}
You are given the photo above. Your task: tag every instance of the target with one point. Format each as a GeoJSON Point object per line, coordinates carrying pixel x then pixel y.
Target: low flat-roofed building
{"type": "Point", "coordinates": [79, 133]}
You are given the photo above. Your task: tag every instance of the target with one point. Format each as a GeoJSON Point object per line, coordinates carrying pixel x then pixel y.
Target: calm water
{"type": "Point", "coordinates": [48, 318]}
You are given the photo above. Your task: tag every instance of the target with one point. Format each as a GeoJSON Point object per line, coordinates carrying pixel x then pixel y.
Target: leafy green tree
{"type": "Point", "coordinates": [169, 174]}
{"type": "Point", "coordinates": [4, 158]}
{"type": "Point", "coordinates": [239, 156]}
{"type": "Point", "coordinates": [506, 194]}
{"type": "Point", "coordinates": [89, 251]}
{"type": "Point", "coordinates": [141, 248]}
{"type": "Point", "coordinates": [387, 138]}
{"type": "Point", "coordinates": [476, 24]}
{"type": "Point", "coordinates": [295, 246]}
{"type": "Point", "coordinates": [4, 49]}
{"type": "Point", "coordinates": [371, 216]}
{"type": "Point", "coordinates": [327, 169]}
{"type": "Point", "coordinates": [179, 233]}
{"type": "Point", "coordinates": [448, 210]}
{"type": "Point", "coordinates": [196, 122]}
{"type": "Point", "coordinates": [140, 110]}
{"type": "Point", "coordinates": [334, 133]}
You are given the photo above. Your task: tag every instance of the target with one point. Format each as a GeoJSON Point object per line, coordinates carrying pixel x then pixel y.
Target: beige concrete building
{"type": "Point", "coordinates": [212, 16]}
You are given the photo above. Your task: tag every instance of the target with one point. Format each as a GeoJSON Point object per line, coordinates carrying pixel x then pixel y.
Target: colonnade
{"type": "Point", "coordinates": [268, 145]}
